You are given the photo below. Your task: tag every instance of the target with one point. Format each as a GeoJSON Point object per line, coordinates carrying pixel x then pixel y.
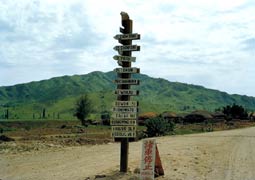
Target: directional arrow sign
{"type": "Point", "coordinates": [124, 116]}
{"type": "Point", "coordinates": [125, 109]}
{"type": "Point", "coordinates": [127, 36]}
{"type": "Point", "coordinates": [124, 58]}
{"type": "Point", "coordinates": [127, 81]}
{"type": "Point", "coordinates": [127, 48]}
{"type": "Point", "coordinates": [127, 92]}
{"type": "Point", "coordinates": [123, 122]}
{"type": "Point", "coordinates": [127, 70]}
{"type": "Point", "coordinates": [125, 103]}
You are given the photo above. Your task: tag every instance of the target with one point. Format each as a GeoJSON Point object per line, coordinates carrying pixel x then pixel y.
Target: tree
{"type": "Point", "coordinates": [235, 112]}
{"type": "Point", "coordinates": [158, 126]}
{"type": "Point", "coordinates": [43, 113]}
{"type": "Point", "coordinates": [83, 107]}
{"type": "Point", "coordinates": [7, 114]}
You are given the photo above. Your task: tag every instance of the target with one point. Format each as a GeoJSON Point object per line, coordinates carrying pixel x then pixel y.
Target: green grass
{"type": "Point", "coordinates": [187, 131]}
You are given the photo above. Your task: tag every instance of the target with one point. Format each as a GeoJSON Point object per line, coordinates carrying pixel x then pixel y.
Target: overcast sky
{"type": "Point", "coordinates": [203, 42]}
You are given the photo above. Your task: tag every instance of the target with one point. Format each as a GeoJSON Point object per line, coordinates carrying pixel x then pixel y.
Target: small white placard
{"type": "Point", "coordinates": [148, 159]}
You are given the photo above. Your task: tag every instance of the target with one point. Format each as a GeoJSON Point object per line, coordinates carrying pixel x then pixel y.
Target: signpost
{"type": "Point", "coordinates": [127, 92]}
{"type": "Point", "coordinates": [125, 109]}
{"type": "Point", "coordinates": [124, 131]}
{"type": "Point", "coordinates": [127, 70]}
{"type": "Point", "coordinates": [124, 58]}
{"type": "Point", "coordinates": [127, 36]}
{"type": "Point", "coordinates": [127, 81]}
{"type": "Point", "coordinates": [124, 116]}
{"type": "Point", "coordinates": [125, 103]}
{"type": "Point", "coordinates": [123, 122]}
{"type": "Point", "coordinates": [123, 134]}
{"type": "Point", "coordinates": [127, 48]}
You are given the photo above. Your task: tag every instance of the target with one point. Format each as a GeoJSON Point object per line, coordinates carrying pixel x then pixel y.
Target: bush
{"type": "Point", "coordinates": [5, 138]}
{"type": "Point", "coordinates": [105, 118]}
{"type": "Point", "coordinates": [158, 127]}
{"type": "Point", "coordinates": [235, 112]}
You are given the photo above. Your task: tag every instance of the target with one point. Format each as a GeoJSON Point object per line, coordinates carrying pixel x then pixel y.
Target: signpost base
{"type": "Point", "coordinates": [124, 155]}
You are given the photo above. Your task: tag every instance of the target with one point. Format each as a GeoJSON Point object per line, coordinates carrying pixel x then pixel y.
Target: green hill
{"type": "Point", "coordinates": [57, 96]}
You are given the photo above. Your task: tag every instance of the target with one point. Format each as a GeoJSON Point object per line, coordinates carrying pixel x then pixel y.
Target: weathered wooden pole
{"type": "Point", "coordinates": [127, 25]}
{"type": "Point", "coordinates": [124, 121]}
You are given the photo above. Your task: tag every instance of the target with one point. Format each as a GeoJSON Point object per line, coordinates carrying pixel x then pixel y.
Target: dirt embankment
{"type": "Point", "coordinates": [228, 155]}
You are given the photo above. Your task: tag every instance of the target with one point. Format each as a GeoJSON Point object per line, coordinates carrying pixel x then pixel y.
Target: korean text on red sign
{"type": "Point", "coordinates": [148, 159]}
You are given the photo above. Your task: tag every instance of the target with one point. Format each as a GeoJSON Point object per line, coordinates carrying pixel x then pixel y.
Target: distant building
{"type": "Point", "coordinates": [252, 116]}
{"type": "Point", "coordinates": [171, 116]}
{"type": "Point", "coordinates": [197, 116]}
{"type": "Point", "coordinates": [219, 116]}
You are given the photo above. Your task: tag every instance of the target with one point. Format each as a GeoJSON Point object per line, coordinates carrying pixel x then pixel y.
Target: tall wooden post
{"type": "Point", "coordinates": [128, 25]}
{"type": "Point", "coordinates": [126, 110]}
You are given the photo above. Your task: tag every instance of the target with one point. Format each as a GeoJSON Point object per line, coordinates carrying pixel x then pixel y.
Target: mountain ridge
{"type": "Point", "coordinates": [58, 94]}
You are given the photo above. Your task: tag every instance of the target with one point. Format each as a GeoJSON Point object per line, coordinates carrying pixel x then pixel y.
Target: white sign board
{"type": "Point", "coordinates": [123, 122]}
{"type": "Point", "coordinates": [124, 115]}
{"type": "Point", "coordinates": [127, 70]}
{"type": "Point", "coordinates": [125, 109]}
{"type": "Point", "coordinates": [125, 103]}
{"type": "Point", "coordinates": [127, 36]}
{"type": "Point", "coordinates": [127, 92]}
{"type": "Point", "coordinates": [127, 48]}
{"type": "Point", "coordinates": [148, 159]}
{"type": "Point", "coordinates": [127, 81]}
{"type": "Point", "coordinates": [123, 128]}
{"type": "Point", "coordinates": [119, 134]}
{"type": "Point", "coordinates": [124, 58]}
{"type": "Point", "coordinates": [123, 131]}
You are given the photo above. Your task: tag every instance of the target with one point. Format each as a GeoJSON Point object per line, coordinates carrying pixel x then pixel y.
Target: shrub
{"type": "Point", "coordinates": [145, 116]}
{"type": "Point", "coordinates": [105, 118]}
{"type": "Point", "coordinates": [83, 108]}
{"type": "Point", "coordinates": [158, 127]}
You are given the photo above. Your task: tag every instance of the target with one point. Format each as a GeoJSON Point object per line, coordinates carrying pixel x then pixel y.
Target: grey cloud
{"type": "Point", "coordinates": [41, 18]}
{"type": "Point", "coordinates": [154, 41]}
{"type": "Point", "coordinates": [62, 56]}
{"type": "Point", "coordinates": [249, 45]}
{"type": "Point", "coordinates": [78, 40]}
{"type": "Point", "coordinates": [5, 26]}
{"type": "Point", "coordinates": [250, 42]}
{"type": "Point", "coordinates": [16, 37]}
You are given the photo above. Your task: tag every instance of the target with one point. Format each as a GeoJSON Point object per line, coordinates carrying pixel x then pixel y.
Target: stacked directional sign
{"type": "Point", "coordinates": [124, 116]}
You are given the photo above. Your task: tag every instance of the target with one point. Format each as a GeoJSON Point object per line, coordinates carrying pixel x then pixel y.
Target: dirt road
{"type": "Point", "coordinates": [226, 155]}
